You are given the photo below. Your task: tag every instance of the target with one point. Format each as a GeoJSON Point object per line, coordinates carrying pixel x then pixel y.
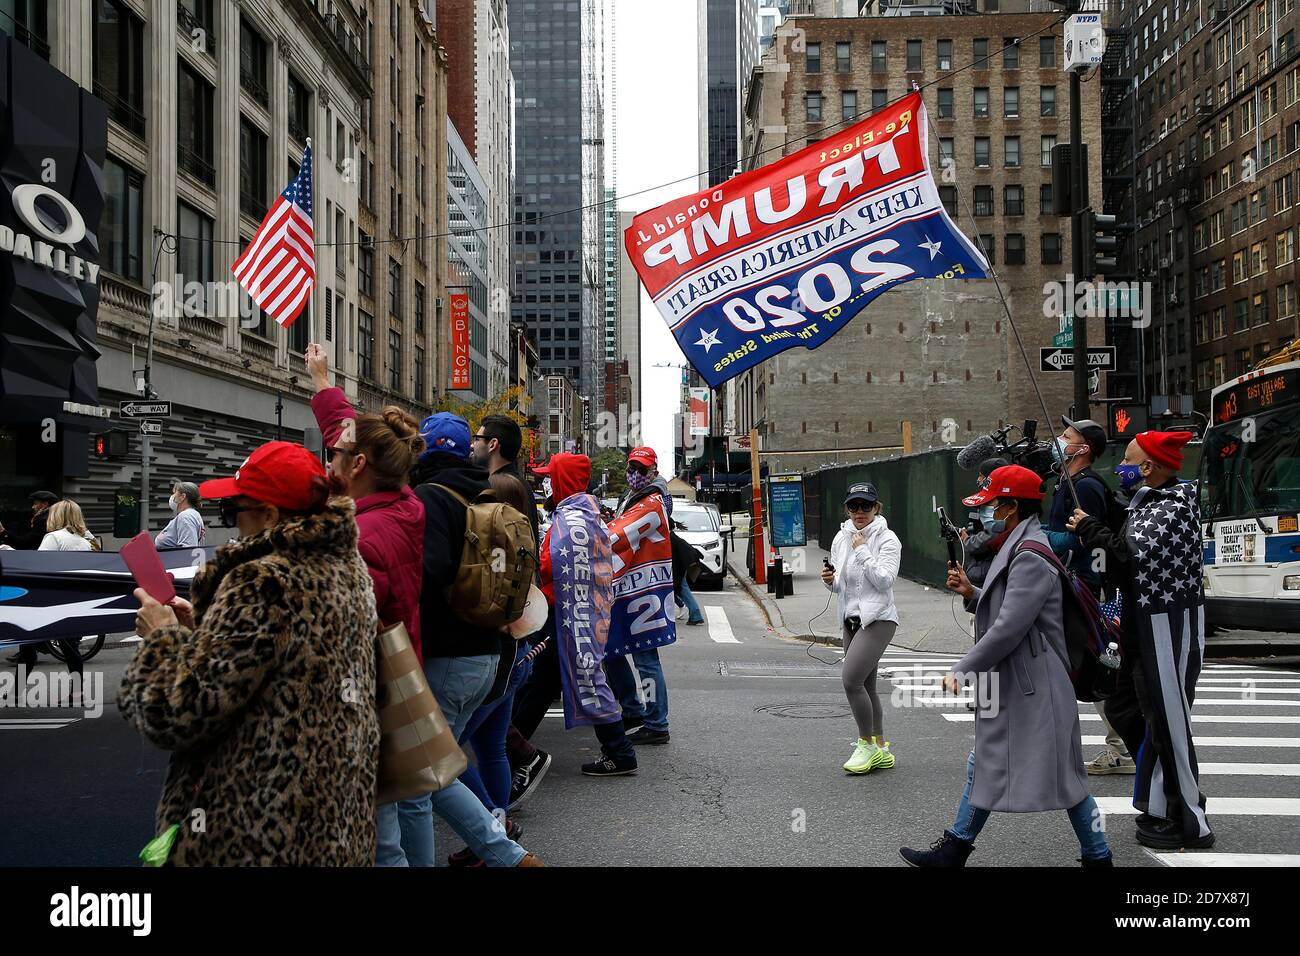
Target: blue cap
{"type": "Point", "coordinates": [445, 432]}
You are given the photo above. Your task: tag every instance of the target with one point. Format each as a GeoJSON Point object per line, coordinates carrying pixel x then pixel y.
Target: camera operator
{"type": "Point", "coordinates": [977, 541]}
{"type": "Point", "coordinates": [1078, 447]}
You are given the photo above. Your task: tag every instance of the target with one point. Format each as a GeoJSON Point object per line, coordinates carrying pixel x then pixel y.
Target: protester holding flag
{"type": "Point", "coordinates": [372, 455]}
{"type": "Point", "coordinates": [460, 659]}
{"type": "Point", "coordinates": [264, 688]}
{"type": "Point", "coordinates": [648, 721]}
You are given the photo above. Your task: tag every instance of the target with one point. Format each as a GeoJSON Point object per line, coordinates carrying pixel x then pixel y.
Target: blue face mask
{"type": "Point", "coordinates": [1129, 475]}
{"type": "Point", "coordinates": [991, 524]}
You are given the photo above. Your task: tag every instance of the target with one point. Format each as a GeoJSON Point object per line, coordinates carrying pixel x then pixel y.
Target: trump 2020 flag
{"type": "Point", "coordinates": [278, 268]}
{"type": "Point", "coordinates": [786, 254]}
{"type": "Point", "coordinates": [644, 612]}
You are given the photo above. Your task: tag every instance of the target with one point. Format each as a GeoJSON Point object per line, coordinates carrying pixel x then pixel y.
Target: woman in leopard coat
{"type": "Point", "coordinates": [264, 689]}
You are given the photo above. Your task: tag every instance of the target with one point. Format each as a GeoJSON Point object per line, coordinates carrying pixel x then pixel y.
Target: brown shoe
{"type": "Point", "coordinates": [530, 859]}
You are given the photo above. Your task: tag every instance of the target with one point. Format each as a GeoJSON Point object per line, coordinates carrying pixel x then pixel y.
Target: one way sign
{"type": "Point", "coordinates": [1100, 359]}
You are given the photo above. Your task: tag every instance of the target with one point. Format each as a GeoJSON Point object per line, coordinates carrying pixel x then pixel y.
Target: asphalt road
{"type": "Point", "coordinates": [752, 775]}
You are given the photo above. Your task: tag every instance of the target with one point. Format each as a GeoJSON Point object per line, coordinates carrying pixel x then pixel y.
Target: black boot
{"type": "Point", "coordinates": [948, 850]}
{"type": "Point", "coordinates": [1107, 860]}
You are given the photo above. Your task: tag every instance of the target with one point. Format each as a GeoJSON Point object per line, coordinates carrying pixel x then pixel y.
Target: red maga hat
{"type": "Point", "coordinates": [645, 456]}
{"type": "Point", "coordinates": [278, 473]}
{"type": "Point", "coordinates": [1165, 448]}
{"type": "Point", "coordinates": [1009, 481]}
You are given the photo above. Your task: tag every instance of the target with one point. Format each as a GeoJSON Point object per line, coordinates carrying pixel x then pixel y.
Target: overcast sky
{"type": "Point", "coordinates": [653, 124]}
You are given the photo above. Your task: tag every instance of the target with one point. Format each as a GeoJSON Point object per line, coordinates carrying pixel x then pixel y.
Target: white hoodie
{"type": "Point", "coordinates": [864, 576]}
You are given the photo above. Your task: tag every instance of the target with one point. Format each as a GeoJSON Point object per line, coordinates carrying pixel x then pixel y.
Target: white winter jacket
{"type": "Point", "coordinates": [864, 576]}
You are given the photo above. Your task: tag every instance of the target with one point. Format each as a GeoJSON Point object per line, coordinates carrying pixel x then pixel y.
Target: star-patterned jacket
{"type": "Point", "coordinates": [1156, 554]}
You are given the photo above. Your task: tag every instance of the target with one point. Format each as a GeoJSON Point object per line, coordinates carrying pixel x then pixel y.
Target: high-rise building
{"type": "Point", "coordinates": [629, 316]}
{"type": "Point", "coordinates": [727, 40]}
{"type": "Point", "coordinates": [467, 254]}
{"type": "Point", "coordinates": [480, 101]}
{"type": "Point", "coordinates": [557, 57]}
{"type": "Point", "coordinates": [931, 352]}
{"type": "Point", "coordinates": [613, 243]}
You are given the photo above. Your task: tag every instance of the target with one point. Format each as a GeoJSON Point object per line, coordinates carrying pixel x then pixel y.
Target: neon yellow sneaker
{"type": "Point", "coordinates": [864, 752]}
{"type": "Point", "coordinates": [882, 758]}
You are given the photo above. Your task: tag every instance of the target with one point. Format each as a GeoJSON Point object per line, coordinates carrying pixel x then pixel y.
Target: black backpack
{"type": "Point", "coordinates": [1087, 630]}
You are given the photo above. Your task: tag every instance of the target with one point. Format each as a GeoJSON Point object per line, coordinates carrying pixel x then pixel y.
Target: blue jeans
{"type": "Point", "coordinates": [489, 777]}
{"type": "Point", "coordinates": [692, 605]}
{"type": "Point", "coordinates": [654, 712]}
{"type": "Point", "coordinates": [1083, 816]}
{"type": "Point", "coordinates": [459, 684]}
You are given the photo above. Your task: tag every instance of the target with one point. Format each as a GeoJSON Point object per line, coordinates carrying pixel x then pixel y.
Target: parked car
{"type": "Point", "coordinates": [703, 531]}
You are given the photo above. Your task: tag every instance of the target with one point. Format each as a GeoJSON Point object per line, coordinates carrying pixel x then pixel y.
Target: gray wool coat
{"type": "Point", "coordinates": [1028, 755]}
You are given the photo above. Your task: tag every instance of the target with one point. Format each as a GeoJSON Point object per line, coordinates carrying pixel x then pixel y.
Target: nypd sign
{"type": "Point", "coordinates": [1085, 41]}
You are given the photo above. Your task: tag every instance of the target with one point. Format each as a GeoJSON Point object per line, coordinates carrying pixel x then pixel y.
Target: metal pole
{"type": "Point", "coordinates": [1079, 202]}
{"type": "Point", "coordinates": [161, 241]}
{"type": "Point", "coordinates": [756, 528]}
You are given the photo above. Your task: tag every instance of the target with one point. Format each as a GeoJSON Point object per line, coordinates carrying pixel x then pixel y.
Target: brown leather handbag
{"type": "Point", "coordinates": [417, 752]}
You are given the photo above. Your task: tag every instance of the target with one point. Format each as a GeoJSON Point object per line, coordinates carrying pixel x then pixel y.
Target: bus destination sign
{"type": "Point", "coordinates": [1257, 395]}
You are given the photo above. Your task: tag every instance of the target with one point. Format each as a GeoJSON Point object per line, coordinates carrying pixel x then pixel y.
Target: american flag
{"type": "Point", "coordinates": [278, 268]}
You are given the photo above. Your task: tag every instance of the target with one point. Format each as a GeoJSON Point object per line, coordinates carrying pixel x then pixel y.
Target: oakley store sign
{"type": "Point", "coordinates": [49, 249]}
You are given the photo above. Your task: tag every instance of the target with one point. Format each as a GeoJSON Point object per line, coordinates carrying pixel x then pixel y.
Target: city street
{"type": "Point", "coordinates": [752, 774]}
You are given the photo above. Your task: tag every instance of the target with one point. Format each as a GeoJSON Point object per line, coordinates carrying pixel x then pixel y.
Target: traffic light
{"type": "Point", "coordinates": [112, 444]}
{"type": "Point", "coordinates": [1101, 234]}
{"type": "Point", "coordinates": [1127, 420]}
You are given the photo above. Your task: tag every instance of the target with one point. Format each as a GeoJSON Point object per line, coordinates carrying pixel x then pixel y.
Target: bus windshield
{"type": "Point", "coordinates": [1252, 466]}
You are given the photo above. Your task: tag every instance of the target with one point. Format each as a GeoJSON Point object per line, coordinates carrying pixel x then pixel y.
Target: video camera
{"type": "Point", "coordinates": [1027, 451]}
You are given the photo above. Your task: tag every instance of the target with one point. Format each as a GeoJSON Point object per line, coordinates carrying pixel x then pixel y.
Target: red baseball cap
{"type": "Point", "coordinates": [1009, 481]}
{"type": "Point", "coordinates": [278, 473]}
{"type": "Point", "coordinates": [645, 456]}
{"type": "Point", "coordinates": [1165, 448]}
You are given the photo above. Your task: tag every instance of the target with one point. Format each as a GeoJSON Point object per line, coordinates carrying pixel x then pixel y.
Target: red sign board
{"type": "Point", "coordinates": [460, 340]}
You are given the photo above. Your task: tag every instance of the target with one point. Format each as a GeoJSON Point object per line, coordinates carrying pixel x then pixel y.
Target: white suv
{"type": "Point", "coordinates": [703, 532]}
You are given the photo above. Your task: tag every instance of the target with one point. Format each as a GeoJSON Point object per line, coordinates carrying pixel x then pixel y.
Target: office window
{"type": "Point", "coordinates": [843, 56]}
{"type": "Point", "coordinates": [1011, 61]}
{"type": "Point", "coordinates": [848, 105]}
{"type": "Point", "coordinates": [365, 344]}
{"type": "Point", "coordinates": [946, 150]}
{"type": "Point", "coordinates": [394, 288]}
{"type": "Point", "coordinates": [365, 264]}
{"type": "Point", "coordinates": [913, 56]}
{"type": "Point", "coordinates": [1240, 315]}
{"type": "Point", "coordinates": [395, 360]}
{"type": "Point", "coordinates": [988, 246]}
{"type": "Point", "coordinates": [982, 151]}
{"type": "Point", "coordinates": [118, 52]}
{"type": "Point", "coordinates": [420, 386]}
{"type": "Point", "coordinates": [981, 102]}
{"type": "Point", "coordinates": [980, 53]}
{"type": "Point", "coordinates": [1011, 101]}
{"type": "Point", "coordinates": [1051, 248]}
{"type": "Point", "coordinates": [813, 106]}
{"type": "Point", "coordinates": [1047, 51]}
{"type": "Point", "coordinates": [1259, 308]}
{"type": "Point", "coordinates": [1013, 200]}
{"type": "Point", "coordinates": [252, 63]}
{"type": "Point", "coordinates": [1047, 101]}
{"type": "Point", "coordinates": [299, 110]}
{"type": "Point", "coordinates": [252, 170]}
{"type": "Point", "coordinates": [879, 99]}
{"type": "Point", "coordinates": [948, 196]}
{"type": "Point", "coordinates": [1285, 247]}
{"type": "Point", "coordinates": [983, 200]}
{"type": "Point", "coordinates": [1286, 300]}
{"type": "Point", "coordinates": [813, 61]}
{"type": "Point", "coordinates": [945, 104]}
{"type": "Point", "coordinates": [945, 54]}
{"type": "Point", "coordinates": [1046, 200]}
{"type": "Point", "coordinates": [1011, 150]}
{"type": "Point", "coordinates": [194, 137]}
{"type": "Point", "coordinates": [878, 56]}
{"type": "Point", "coordinates": [193, 259]}
{"type": "Point", "coordinates": [1015, 245]}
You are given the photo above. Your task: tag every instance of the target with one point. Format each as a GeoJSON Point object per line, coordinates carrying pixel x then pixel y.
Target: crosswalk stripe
{"type": "Point", "coordinates": [1228, 859]}
{"type": "Point", "coordinates": [1204, 741]}
{"type": "Point", "coordinates": [1196, 718]}
{"type": "Point", "coordinates": [1207, 686]}
{"type": "Point", "coordinates": [1250, 769]}
{"type": "Point", "coordinates": [1218, 806]}
{"type": "Point", "coordinates": [719, 627]}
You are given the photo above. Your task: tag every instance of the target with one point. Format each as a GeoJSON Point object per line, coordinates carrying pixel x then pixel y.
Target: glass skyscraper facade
{"type": "Point", "coordinates": [557, 57]}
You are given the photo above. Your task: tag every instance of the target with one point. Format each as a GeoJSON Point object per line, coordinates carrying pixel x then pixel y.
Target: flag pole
{"type": "Point", "coordinates": [311, 319]}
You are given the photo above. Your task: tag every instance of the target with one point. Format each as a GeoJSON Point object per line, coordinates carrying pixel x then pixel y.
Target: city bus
{"type": "Point", "coordinates": [1250, 498]}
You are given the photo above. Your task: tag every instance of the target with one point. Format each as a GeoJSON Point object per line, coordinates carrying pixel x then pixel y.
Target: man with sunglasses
{"type": "Point", "coordinates": [646, 723]}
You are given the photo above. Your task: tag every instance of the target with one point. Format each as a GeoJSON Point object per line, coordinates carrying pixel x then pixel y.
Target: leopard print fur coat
{"type": "Point", "coordinates": [268, 704]}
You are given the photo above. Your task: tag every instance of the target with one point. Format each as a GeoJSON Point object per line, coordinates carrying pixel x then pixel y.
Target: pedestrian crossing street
{"type": "Point", "coordinates": [1247, 725]}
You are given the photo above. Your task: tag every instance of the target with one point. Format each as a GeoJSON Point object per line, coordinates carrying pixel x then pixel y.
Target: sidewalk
{"type": "Point", "coordinates": [929, 619]}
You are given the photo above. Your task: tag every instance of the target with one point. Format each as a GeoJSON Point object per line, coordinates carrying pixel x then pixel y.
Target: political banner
{"type": "Point", "coordinates": [645, 611]}
{"type": "Point", "coordinates": [460, 377]}
{"type": "Point", "coordinates": [787, 254]}
{"type": "Point", "coordinates": [580, 563]}
{"type": "Point", "coordinates": [699, 411]}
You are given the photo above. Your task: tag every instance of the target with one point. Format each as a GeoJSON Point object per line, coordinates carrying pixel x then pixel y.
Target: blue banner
{"type": "Point", "coordinates": [644, 607]}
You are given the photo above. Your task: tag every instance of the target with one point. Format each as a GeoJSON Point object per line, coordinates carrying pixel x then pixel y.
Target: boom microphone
{"type": "Point", "coordinates": [981, 448]}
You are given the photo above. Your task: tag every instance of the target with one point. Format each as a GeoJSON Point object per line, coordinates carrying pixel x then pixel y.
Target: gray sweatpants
{"type": "Point", "coordinates": [862, 653]}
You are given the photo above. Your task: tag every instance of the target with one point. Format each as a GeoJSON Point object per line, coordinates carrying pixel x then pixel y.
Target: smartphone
{"type": "Point", "coordinates": [146, 567]}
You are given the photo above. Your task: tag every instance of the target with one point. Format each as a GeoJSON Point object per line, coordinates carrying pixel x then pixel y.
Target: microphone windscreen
{"type": "Point", "coordinates": [974, 453]}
